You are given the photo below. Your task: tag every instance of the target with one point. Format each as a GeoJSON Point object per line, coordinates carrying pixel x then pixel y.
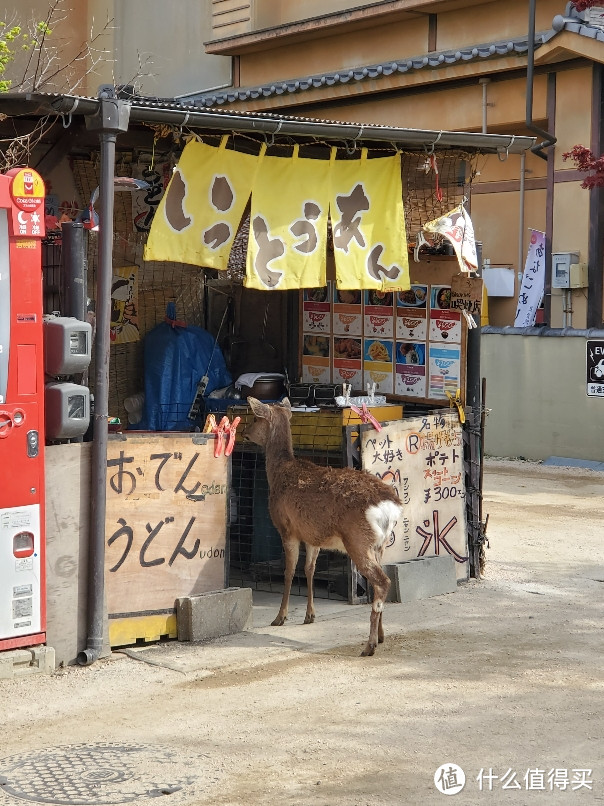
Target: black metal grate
{"type": "Point", "coordinates": [51, 275]}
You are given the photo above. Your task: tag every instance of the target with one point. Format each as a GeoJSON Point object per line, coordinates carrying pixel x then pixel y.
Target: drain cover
{"type": "Point", "coordinates": [104, 773]}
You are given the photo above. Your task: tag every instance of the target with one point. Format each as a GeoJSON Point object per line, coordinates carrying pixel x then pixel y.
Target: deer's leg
{"type": "Point", "coordinates": [381, 584]}
{"type": "Point", "coordinates": [292, 549]}
{"type": "Point", "coordinates": [379, 553]}
{"type": "Point", "coordinates": [312, 552]}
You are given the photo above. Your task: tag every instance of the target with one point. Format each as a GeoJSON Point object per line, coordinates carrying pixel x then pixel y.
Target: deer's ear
{"type": "Point", "coordinates": [260, 409]}
{"type": "Point", "coordinates": [285, 404]}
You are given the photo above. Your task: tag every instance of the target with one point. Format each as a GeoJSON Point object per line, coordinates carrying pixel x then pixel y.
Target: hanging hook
{"type": "Point", "coordinates": [272, 140]}
{"type": "Point", "coordinates": [68, 124]}
{"type": "Point", "coordinates": [440, 134]}
{"type": "Point", "coordinates": [507, 150]}
{"type": "Point", "coordinates": [184, 123]}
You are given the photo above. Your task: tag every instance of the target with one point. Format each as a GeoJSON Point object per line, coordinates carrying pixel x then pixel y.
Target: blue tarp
{"type": "Point", "coordinates": [176, 357]}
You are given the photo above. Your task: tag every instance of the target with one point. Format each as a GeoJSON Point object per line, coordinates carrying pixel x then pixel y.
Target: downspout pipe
{"type": "Point", "coordinates": [549, 140]}
{"type": "Point", "coordinates": [113, 117]}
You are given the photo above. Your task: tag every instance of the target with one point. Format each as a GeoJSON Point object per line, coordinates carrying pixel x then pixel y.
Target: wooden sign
{"type": "Point", "coordinates": [166, 520]}
{"type": "Point", "coordinates": [466, 294]}
{"type": "Point", "coordinates": [422, 458]}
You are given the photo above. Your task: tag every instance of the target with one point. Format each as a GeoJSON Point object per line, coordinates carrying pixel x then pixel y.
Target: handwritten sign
{"type": "Point", "coordinates": [466, 294]}
{"type": "Point", "coordinates": [166, 520]}
{"type": "Point", "coordinates": [422, 458]}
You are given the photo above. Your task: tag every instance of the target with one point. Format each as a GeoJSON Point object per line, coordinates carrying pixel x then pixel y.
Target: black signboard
{"type": "Point", "coordinates": [595, 367]}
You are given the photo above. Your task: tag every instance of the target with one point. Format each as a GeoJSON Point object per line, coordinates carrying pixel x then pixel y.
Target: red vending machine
{"type": "Point", "coordinates": [22, 549]}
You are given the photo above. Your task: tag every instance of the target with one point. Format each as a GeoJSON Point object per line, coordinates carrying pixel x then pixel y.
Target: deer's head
{"type": "Point", "coordinates": [266, 420]}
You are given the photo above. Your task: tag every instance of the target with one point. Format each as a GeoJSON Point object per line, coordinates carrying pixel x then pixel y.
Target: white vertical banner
{"type": "Point", "coordinates": [533, 281]}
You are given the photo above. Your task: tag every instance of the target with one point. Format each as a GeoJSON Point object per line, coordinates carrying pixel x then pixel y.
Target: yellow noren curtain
{"type": "Point", "coordinates": [198, 216]}
{"type": "Point", "coordinates": [288, 224]}
{"type": "Point", "coordinates": [368, 225]}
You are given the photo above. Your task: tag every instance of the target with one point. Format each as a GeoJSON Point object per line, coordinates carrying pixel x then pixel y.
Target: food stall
{"type": "Point", "coordinates": [347, 349]}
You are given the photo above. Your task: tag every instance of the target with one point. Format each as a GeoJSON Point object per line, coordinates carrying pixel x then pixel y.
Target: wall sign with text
{"type": "Point", "coordinates": [166, 520]}
{"type": "Point", "coordinates": [422, 458]}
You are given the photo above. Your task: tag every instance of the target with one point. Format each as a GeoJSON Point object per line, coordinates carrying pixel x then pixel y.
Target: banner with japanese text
{"type": "Point", "coordinates": [198, 217]}
{"type": "Point", "coordinates": [422, 458]}
{"type": "Point", "coordinates": [368, 224]}
{"type": "Point", "coordinates": [532, 287]}
{"type": "Point", "coordinates": [288, 224]}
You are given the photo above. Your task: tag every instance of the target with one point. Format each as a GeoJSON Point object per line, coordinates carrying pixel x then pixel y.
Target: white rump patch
{"type": "Point", "coordinates": [382, 518]}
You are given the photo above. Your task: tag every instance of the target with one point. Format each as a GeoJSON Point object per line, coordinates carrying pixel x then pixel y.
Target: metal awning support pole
{"type": "Point", "coordinates": [473, 401]}
{"type": "Point", "coordinates": [113, 118]}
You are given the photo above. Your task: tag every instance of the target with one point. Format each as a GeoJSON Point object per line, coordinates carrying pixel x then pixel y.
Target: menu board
{"type": "Point", "coordinates": [407, 343]}
{"type": "Point", "coordinates": [422, 458]}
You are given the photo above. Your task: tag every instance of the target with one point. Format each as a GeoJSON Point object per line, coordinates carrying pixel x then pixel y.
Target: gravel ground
{"type": "Point", "coordinates": [504, 677]}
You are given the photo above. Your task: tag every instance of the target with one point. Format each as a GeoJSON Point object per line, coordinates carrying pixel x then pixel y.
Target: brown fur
{"type": "Point", "coordinates": [322, 507]}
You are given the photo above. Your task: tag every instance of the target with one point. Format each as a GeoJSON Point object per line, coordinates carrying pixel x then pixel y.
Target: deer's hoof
{"type": "Point", "coordinates": [279, 621]}
{"type": "Point", "coordinates": [309, 619]}
{"type": "Point", "coordinates": [368, 651]}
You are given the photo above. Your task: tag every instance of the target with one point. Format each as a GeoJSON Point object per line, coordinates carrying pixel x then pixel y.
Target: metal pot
{"type": "Point", "coordinates": [264, 389]}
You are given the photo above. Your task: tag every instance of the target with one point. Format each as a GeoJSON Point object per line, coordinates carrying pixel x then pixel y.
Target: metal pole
{"type": "Point", "coordinates": [473, 400]}
{"type": "Point", "coordinates": [75, 271]}
{"type": "Point", "coordinates": [113, 117]}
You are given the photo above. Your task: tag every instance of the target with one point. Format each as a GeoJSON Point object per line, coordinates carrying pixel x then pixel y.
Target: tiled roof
{"type": "Point", "coordinates": [574, 22]}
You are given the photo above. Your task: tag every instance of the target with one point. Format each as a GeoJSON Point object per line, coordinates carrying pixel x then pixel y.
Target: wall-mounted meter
{"type": "Point", "coordinates": [67, 410]}
{"type": "Point", "coordinates": [567, 272]}
{"type": "Point", "coordinates": [67, 345]}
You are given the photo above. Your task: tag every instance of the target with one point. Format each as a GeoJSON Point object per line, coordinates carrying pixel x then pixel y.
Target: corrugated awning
{"type": "Point", "coordinates": [270, 125]}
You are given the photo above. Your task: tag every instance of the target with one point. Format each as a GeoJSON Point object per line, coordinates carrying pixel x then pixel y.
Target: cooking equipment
{"type": "Point", "coordinates": [269, 388]}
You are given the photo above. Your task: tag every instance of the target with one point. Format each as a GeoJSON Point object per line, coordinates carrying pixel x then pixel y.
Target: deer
{"type": "Point", "coordinates": [339, 509]}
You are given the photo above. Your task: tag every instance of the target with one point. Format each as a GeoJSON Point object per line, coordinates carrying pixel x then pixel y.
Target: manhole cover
{"type": "Point", "coordinates": [104, 773]}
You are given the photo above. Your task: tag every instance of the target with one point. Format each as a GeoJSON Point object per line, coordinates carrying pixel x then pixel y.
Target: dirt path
{"type": "Point", "coordinates": [505, 674]}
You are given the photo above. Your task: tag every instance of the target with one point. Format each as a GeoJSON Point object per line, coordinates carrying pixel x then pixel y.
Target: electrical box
{"type": "Point", "coordinates": [578, 275]}
{"type": "Point", "coordinates": [67, 410]}
{"type": "Point", "coordinates": [561, 268]}
{"type": "Point", "coordinates": [67, 345]}
{"type": "Point", "coordinates": [499, 280]}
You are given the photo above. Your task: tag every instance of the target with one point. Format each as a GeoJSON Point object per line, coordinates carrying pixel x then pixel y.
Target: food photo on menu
{"type": "Point", "coordinates": [440, 297]}
{"type": "Point", "coordinates": [415, 297]}
{"type": "Point", "coordinates": [378, 351]}
{"type": "Point", "coordinates": [410, 353]}
{"type": "Point", "coordinates": [316, 345]}
{"type": "Point", "coordinates": [344, 297]}
{"type": "Point", "coordinates": [379, 298]}
{"type": "Point", "coordinates": [347, 348]}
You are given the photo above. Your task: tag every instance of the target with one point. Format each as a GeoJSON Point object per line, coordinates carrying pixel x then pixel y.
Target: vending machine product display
{"type": "Point", "coordinates": [22, 538]}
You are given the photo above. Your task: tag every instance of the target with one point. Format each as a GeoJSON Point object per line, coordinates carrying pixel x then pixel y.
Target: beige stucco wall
{"type": "Point", "coordinates": [268, 13]}
{"type": "Point", "coordinates": [69, 32]}
{"type": "Point", "coordinates": [493, 21]}
{"type": "Point", "coordinates": [323, 53]}
{"type": "Point", "coordinates": [536, 391]}
{"type": "Point", "coordinates": [159, 45]}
